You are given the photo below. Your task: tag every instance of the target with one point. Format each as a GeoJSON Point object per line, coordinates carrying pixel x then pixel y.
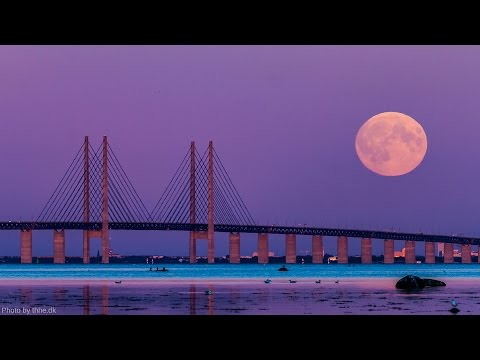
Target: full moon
{"type": "Point", "coordinates": [391, 144]}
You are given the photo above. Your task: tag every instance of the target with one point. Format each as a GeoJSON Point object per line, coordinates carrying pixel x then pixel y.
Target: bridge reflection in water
{"type": "Point", "coordinates": [93, 294]}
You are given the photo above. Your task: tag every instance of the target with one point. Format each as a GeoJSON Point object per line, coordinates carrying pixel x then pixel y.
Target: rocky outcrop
{"type": "Point", "coordinates": [411, 282]}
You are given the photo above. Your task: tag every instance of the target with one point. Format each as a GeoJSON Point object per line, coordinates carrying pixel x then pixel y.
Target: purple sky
{"type": "Point", "coordinates": [283, 120]}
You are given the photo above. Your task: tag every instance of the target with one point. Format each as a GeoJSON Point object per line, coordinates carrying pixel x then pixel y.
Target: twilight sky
{"type": "Point", "coordinates": [283, 119]}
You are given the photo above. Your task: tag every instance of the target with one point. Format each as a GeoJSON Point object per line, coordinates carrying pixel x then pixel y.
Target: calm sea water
{"type": "Point", "coordinates": [242, 271]}
{"type": "Point", "coordinates": [359, 295]}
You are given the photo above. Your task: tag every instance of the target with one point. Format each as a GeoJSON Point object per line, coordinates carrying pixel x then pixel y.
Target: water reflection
{"type": "Point", "coordinates": [205, 301]}
{"type": "Point", "coordinates": [110, 298]}
{"type": "Point", "coordinates": [26, 295]}
{"type": "Point", "coordinates": [193, 299]}
{"type": "Point", "coordinates": [104, 300]}
{"type": "Point", "coordinates": [211, 299]}
{"type": "Point", "coordinates": [86, 300]}
{"type": "Point", "coordinates": [95, 297]}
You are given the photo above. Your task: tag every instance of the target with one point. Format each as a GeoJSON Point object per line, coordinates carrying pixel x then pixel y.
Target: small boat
{"type": "Point", "coordinates": [336, 281]}
{"type": "Point", "coordinates": [318, 281]}
{"type": "Point", "coordinates": [292, 281]}
{"type": "Point", "coordinates": [208, 292]}
{"type": "Point", "coordinates": [268, 281]}
{"type": "Point", "coordinates": [283, 268]}
{"type": "Point", "coordinates": [118, 282]}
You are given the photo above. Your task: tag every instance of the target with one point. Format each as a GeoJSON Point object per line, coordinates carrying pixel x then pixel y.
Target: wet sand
{"type": "Point", "coordinates": [350, 296]}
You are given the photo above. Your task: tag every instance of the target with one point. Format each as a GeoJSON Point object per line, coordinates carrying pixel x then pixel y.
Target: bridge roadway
{"type": "Point", "coordinates": [258, 229]}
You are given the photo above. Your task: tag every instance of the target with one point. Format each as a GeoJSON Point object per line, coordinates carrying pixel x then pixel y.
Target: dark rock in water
{"type": "Point", "coordinates": [283, 268]}
{"type": "Point", "coordinates": [433, 282]}
{"type": "Point", "coordinates": [454, 310]}
{"type": "Point", "coordinates": [410, 282]}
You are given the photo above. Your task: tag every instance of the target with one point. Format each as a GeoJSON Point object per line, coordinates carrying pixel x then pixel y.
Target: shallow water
{"type": "Point", "coordinates": [237, 271]}
{"type": "Point", "coordinates": [212, 298]}
{"type": "Point", "coordinates": [224, 289]}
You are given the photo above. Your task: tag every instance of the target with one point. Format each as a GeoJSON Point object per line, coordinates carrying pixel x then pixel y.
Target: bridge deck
{"type": "Point", "coordinates": [17, 225]}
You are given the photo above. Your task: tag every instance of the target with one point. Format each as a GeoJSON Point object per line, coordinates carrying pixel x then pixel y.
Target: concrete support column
{"type": "Point", "coordinates": [389, 251]}
{"type": "Point", "coordinates": [291, 249]}
{"type": "Point", "coordinates": [317, 249]}
{"type": "Point", "coordinates": [466, 254]}
{"type": "Point", "coordinates": [366, 251]}
{"type": "Point", "coordinates": [59, 246]}
{"type": "Point", "coordinates": [263, 248]}
{"type": "Point", "coordinates": [410, 252]}
{"type": "Point", "coordinates": [342, 250]}
{"type": "Point", "coordinates": [448, 253]}
{"type": "Point", "coordinates": [26, 246]}
{"type": "Point", "coordinates": [429, 252]}
{"type": "Point", "coordinates": [234, 242]}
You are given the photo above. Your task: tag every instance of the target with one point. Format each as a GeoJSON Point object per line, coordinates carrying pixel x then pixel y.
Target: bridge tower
{"type": "Point", "coordinates": [211, 243]}
{"type": "Point", "coordinates": [86, 202]}
{"type": "Point", "coordinates": [193, 238]}
{"type": "Point", "coordinates": [196, 235]}
{"type": "Point", "coordinates": [103, 233]}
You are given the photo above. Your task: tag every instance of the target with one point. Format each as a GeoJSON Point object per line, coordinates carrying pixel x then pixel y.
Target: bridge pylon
{"type": "Point", "coordinates": [210, 234]}
{"type": "Point", "coordinates": [103, 233]}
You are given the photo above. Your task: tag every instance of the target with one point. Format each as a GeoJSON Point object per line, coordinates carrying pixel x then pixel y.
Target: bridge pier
{"type": "Point", "coordinates": [448, 253]}
{"type": "Point", "coordinates": [291, 249]}
{"type": "Point", "coordinates": [342, 250]}
{"type": "Point", "coordinates": [59, 246]}
{"type": "Point", "coordinates": [317, 249]}
{"type": "Point", "coordinates": [234, 242]}
{"type": "Point", "coordinates": [366, 251]}
{"type": "Point", "coordinates": [263, 248]}
{"type": "Point", "coordinates": [466, 254]}
{"type": "Point", "coordinates": [429, 252]}
{"type": "Point", "coordinates": [388, 251]}
{"type": "Point", "coordinates": [26, 246]}
{"type": "Point", "coordinates": [410, 252]}
{"type": "Point", "coordinates": [194, 236]}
